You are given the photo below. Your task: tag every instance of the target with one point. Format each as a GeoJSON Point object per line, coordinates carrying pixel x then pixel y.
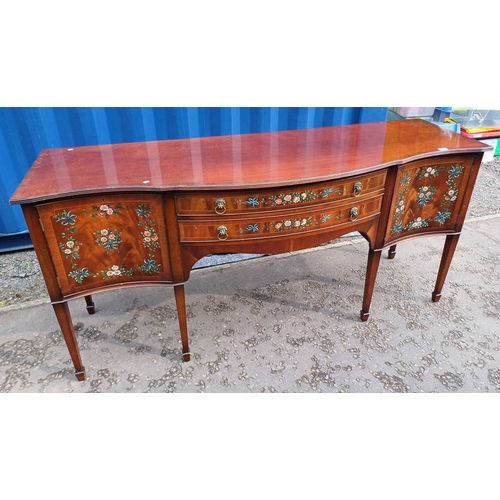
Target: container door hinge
{"type": "Point", "coordinates": [41, 225]}
{"type": "Point", "coordinates": [58, 282]}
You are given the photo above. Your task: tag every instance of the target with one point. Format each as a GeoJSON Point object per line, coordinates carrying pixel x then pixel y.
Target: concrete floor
{"type": "Point", "coordinates": [285, 323]}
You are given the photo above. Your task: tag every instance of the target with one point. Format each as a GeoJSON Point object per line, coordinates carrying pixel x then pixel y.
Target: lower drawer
{"type": "Point", "coordinates": [278, 225]}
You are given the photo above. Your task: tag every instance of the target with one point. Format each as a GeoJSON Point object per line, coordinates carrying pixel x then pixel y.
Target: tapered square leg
{"type": "Point", "coordinates": [90, 304]}
{"type": "Point", "coordinates": [371, 274]}
{"type": "Point", "coordinates": [64, 319]}
{"type": "Point", "coordinates": [392, 252]}
{"type": "Point", "coordinates": [180, 302]}
{"type": "Point", "coordinates": [450, 245]}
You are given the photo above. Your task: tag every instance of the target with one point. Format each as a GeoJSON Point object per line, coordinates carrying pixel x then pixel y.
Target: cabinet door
{"type": "Point", "coordinates": [428, 196]}
{"type": "Point", "coordinates": [107, 240]}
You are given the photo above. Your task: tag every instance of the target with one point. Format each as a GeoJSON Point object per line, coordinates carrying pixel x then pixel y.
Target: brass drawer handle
{"type": "Point", "coordinates": [220, 206]}
{"type": "Point", "coordinates": [353, 214]}
{"type": "Point", "coordinates": [357, 188]}
{"type": "Point", "coordinates": [222, 233]}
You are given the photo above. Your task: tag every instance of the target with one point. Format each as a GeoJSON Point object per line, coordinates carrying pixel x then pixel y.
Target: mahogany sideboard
{"type": "Point", "coordinates": [108, 216]}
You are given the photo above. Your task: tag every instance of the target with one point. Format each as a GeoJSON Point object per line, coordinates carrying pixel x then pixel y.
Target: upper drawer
{"type": "Point", "coordinates": [245, 201]}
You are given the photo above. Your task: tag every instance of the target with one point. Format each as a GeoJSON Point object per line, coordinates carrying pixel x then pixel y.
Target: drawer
{"type": "Point", "coordinates": [246, 201]}
{"type": "Point", "coordinates": [279, 225]}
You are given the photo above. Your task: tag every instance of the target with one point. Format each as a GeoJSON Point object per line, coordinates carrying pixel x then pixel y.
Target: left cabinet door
{"type": "Point", "coordinates": [108, 240]}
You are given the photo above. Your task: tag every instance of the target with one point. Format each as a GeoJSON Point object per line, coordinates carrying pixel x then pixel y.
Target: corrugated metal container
{"type": "Point", "coordinates": [24, 132]}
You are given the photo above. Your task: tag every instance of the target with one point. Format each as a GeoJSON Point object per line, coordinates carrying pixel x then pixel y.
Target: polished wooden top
{"type": "Point", "coordinates": [237, 161]}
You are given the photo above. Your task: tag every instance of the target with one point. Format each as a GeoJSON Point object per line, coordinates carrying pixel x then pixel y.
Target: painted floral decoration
{"type": "Point", "coordinates": [288, 224]}
{"type": "Point", "coordinates": [250, 228]}
{"type": "Point", "coordinates": [114, 271]}
{"type": "Point", "coordinates": [109, 239]}
{"type": "Point", "coordinates": [150, 238]}
{"type": "Point", "coordinates": [282, 199]}
{"type": "Point", "coordinates": [105, 210]}
{"type": "Point", "coordinates": [150, 266]}
{"type": "Point", "coordinates": [79, 274]}
{"type": "Point", "coordinates": [425, 194]}
{"type": "Point", "coordinates": [66, 217]}
{"type": "Point", "coordinates": [143, 210]}
{"type": "Point", "coordinates": [70, 248]}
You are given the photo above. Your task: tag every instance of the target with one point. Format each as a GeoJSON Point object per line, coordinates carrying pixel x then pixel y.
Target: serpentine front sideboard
{"type": "Point", "coordinates": [103, 217]}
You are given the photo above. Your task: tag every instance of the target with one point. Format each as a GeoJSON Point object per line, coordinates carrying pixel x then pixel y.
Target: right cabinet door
{"type": "Point", "coordinates": [428, 196]}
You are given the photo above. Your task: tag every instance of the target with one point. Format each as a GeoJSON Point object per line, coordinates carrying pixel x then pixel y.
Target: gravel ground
{"type": "Point", "coordinates": [22, 285]}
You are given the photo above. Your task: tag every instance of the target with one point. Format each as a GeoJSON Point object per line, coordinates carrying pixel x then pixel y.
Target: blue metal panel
{"type": "Point", "coordinates": [24, 132]}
